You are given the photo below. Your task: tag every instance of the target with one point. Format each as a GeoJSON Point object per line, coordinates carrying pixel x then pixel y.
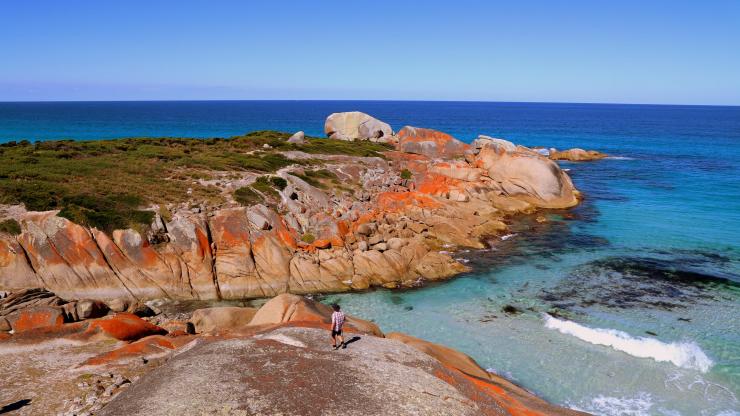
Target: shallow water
{"type": "Point", "coordinates": [642, 278]}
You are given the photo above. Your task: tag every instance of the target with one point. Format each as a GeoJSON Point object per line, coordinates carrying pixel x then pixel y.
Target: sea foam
{"type": "Point", "coordinates": [682, 354]}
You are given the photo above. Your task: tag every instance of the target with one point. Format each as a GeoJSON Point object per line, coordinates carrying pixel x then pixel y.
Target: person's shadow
{"type": "Point", "coordinates": [351, 340]}
{"type": "Point", "coordinates": [14, 406]}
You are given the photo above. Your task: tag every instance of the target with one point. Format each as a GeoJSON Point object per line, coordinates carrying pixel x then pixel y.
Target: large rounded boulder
{"type": "Point", "coordinates": [528, 176]}
{"type": "Point", "coordinates": [355, 125]}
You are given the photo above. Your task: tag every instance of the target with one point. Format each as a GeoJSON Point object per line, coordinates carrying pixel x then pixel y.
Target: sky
{"type": "Point", "coordinates": [659, 51]}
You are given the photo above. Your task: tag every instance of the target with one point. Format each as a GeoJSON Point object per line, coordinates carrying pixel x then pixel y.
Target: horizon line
{"type": "Point", "coordinates": [364, 100]}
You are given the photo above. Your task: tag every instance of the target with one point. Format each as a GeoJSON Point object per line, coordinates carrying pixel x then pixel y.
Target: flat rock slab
{"type": "Point", "coordinates": [294, 371]}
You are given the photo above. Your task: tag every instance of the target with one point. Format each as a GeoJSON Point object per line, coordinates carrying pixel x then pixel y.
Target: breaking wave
{"type": "Point", "coordinates": [682, 354]}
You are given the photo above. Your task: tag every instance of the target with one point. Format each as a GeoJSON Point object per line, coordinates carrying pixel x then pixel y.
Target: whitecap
{"type": "Point", "coordinates": [682, 354]}
{"type": "Point", "coordinates": [619, 158]}
{"type": "Point", "coordinates": [639, 405]}
{"type": "Point", "coordinates": [507, 236]}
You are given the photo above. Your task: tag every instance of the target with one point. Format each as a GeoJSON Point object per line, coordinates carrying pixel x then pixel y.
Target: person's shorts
{"type": "Point", "coordinates": [336, 333]}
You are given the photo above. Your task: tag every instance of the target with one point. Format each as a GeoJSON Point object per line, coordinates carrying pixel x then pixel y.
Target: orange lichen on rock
{"type": "Point", "coordinates": [37, 318]}
{"type": "Point", "coordinates": [430, 143]}
{"type": "Point", "coordinates": [321, 244]}
{"type": "Point", "coordinates": [437, 185]}
{"type": "Point", "coordinates": [397, 201]}
{"type": "Point", "coordinates": [287, 237]}
{"type": "Point", "coordinates": [505, 400]}
{"type": "Point", "coordinates": [124, 327]}
{"type": "Point", "coordinates": [148, 346]}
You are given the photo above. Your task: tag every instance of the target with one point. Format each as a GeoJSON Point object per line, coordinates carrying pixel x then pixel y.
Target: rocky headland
{"type": "Point", "coordinates": [299, 219]}
{"type": "Point", "coordinates": [93, 235]}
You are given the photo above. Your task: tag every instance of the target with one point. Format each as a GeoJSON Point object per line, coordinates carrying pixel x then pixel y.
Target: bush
{"type": "Point", "coordinates": [10, 226]}
{"type": "Point", "coordinates": [308, 238]}
{"type": "Point", "coordinates": [107, 213]}
{"type": "Point", "coordinates": [314, 177]}
{"type": "Point", "coordinates": [406, 174]}
{"type": "Point", "coordinates": [278, 182]}
{"type": "Point", "coordinates": [247, 196]}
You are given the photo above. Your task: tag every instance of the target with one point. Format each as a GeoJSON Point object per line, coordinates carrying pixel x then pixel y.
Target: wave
{"type": "Point", "coordinates": [619, 158]}
{"type": "Point", "coordinates": [682, 354]}
{"type": "Point", "coordinates": [507, 236]}
{"type": "Point", "coordinates": [639, 405]}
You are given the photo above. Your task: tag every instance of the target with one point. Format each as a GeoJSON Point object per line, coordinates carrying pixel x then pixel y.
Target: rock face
{"type": "Point", "coordinates": [351, 224]}
{"type": "Point", "coordinates": [224, 318]}
{"type": "Point", "coordinates": [355, 125]}
{"type": "Point", "coordinates": [576, 155]}
{"type": "Point", "coordinates": [378, 377]}
{"type": "Point", "coordinates": [430, 143]}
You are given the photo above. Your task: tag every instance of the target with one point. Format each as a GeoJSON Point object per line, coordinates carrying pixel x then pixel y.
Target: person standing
{"type": "Point", "coordinates": [337, 322]}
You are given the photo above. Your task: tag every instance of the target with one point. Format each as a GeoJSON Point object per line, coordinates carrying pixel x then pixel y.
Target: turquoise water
{"type": "Point", "coordinates": [643, 278]}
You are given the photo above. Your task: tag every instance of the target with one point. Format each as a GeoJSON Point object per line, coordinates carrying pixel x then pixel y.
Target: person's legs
{"type": "Point", "coordinates": [333, 339]}
{"type": "Point", "coordinates": [340, 336]}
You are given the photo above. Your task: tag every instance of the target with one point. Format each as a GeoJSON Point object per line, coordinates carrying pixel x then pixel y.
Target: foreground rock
{"type": "Point", "coordinates": [576, 155]}
{"type": "Point", "coordinates": [278, 363]}
{"type": "Point", "coordinates": [290, 371]}
{"type": "Point", "coordinates": [354, 125]}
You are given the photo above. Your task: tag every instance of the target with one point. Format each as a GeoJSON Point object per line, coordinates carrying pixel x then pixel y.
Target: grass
{"type": "Point", "coordinates": [406, 174]}
{"type": "Point", "coordinates": [247, 196]}
{"type": "Point", "coordinates": [10, 226]}
{"type": "Point", "coordinates": [308, 238]}
{"type": "Point", "coordinates": [108, 183]}
{"type": "Point", "coordinates": [318, 178]}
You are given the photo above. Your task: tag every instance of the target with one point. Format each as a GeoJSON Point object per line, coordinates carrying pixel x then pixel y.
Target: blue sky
{"type": "Point", "coordinates": [685, 52]}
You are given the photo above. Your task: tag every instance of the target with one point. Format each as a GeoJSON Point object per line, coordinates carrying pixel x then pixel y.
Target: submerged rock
{"type": "Point", "coordinates": [576, 155]}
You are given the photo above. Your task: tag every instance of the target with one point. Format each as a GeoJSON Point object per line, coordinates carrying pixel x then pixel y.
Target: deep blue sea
{"type": "Point", "coordinates": [643, 278]}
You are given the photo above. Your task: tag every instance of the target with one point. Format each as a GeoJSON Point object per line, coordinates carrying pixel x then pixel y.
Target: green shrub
{"type": "Point", "coordinates": [107, 213]}
{"type": "Point", "coordinates": [264, 184]}
{"type": "Point", "coordinates": [308, 238]}
{"type": "Point", "coordinates": [278, 182]}
{"type": "Point", "coordinates": [247, 196]}
{"type": "Point", "coordinates": [315, 177]}
{"type": "Point", "coordinates": [406, 174]}
{"type": "Point", "coordinates": [10, 226]}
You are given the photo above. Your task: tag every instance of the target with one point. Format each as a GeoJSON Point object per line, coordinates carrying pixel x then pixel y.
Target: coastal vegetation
{"type": "Point", "coordinates": [110, 184]}
{"type": "Point", "coordinates": [10, 226]}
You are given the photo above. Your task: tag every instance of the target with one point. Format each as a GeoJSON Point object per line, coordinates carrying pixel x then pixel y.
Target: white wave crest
{"type": "Point", "coordinates": [682, 354]}
{"type": "Point", "coordinates": [508, 236]}
{"type": "Point", "coordinates": [619, 158]}
{"type": "Point", "coordinates": [639, 405]}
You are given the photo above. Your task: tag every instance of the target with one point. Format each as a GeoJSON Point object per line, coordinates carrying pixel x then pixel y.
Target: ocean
{"type": "Point", "coordinates": [642, 280]}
